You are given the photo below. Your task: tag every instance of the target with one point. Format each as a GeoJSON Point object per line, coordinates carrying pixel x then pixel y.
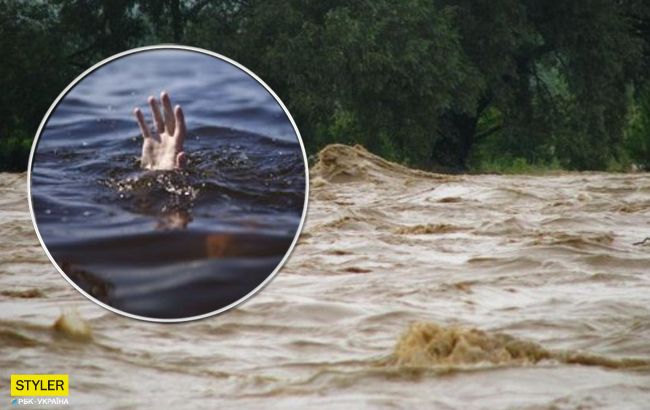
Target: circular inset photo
{"type": "Point", "coordinates": [168, 183]}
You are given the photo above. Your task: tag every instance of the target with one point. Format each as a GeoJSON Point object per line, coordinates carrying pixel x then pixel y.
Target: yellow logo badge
{"type": "Point", "coordinates": [39, 384]}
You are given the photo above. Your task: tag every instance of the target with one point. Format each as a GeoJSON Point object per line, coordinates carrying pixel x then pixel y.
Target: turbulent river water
{"type": "Point", "coordinates": [406, 290]}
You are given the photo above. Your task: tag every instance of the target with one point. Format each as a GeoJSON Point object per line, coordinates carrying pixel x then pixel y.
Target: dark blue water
{"type": "Point", "coordinates": [168, 244]}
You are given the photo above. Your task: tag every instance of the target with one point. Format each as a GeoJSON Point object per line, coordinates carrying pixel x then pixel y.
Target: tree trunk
{"type": "Point", "coordinates": [460, 131]}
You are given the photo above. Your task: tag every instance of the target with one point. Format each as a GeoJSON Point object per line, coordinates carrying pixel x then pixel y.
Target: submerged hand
{"type": "Point", "coordinates": [163, 147]}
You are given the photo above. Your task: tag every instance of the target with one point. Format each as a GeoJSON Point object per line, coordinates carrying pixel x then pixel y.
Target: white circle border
{"type": "Point", "coordinates": [244, 298]}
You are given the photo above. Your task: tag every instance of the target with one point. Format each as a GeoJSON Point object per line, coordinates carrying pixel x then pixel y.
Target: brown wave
{"type": "Point", "coordinates": [572, 240]}
{"type": "Point", "coordinates": [450, 200]}
{"type": "Point", "coordinates": [630, 208]}
{"type": "Point", "coordinates": [358, 219]}
{"type": "Point", "coordinates": [427, 229]}
{"type": "Point", "coordinates": [339, 163]}
{"type": "Point", "coordinates": [431, 345]}
{"type": "Point", "coordinates": [344, 222]}
{"type": "Point", "coordinates": [23, 294]}
{"type": "Point", "coordinates": [70, 324]}
{"type": "Point", "coordinates": [13, 338]}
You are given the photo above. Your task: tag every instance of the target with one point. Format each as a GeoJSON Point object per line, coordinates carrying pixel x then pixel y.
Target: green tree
{"type": "Point", "coordinates": [556, 71]}
{"type": "Point", "coordinates": [33, 66]}
{"type": "Point", "coordinates": [377, 73]}
{"type": "Point", "coordinates": [443, 83]}
{"type": "Point", "coordinates": [427, 81]}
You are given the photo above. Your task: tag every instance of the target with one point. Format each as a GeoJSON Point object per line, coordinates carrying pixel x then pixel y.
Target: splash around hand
{"type": "Point", "coordinates": [162, 148]}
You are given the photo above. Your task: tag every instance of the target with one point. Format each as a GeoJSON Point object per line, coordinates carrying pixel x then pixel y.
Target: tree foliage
{"type": "Point", "coordinates": [443, 84]}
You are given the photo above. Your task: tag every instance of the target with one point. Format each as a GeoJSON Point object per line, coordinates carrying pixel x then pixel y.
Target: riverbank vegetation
{"type": "Point", "coordinates": [453, 85]}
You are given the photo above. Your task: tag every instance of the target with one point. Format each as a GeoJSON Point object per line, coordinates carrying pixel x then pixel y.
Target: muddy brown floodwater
{"type": "Point", "coordinates": [406, 290]}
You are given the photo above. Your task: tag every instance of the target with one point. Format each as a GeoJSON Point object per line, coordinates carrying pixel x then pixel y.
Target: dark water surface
{"type": "Point", "coordinates": [168, 244]}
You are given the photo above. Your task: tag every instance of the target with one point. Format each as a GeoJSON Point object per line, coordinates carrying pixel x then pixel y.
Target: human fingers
{"type": "Point", "coordinates": [143, 125]}
{"type": "Point", "coordinates": [181, 160]}
{"type": "Point", "coordinates": [181, 130]}
{"type": "Point", "coordinates": [169, 114]}
{"type": "Point", "coordinates": [157, 117]}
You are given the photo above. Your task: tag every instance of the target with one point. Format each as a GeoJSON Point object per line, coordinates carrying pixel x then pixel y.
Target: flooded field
{"type": "Point", "coordinates": [406, 290]}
